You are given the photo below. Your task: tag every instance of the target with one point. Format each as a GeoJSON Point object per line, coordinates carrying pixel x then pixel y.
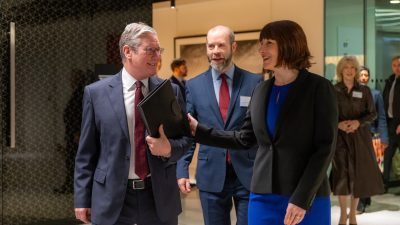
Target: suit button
{"type": "Point", "coordinates": [127, 157]}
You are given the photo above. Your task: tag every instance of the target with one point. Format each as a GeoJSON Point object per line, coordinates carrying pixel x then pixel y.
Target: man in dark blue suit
{"type": "Point", "coordinates": [179, 72]}
{"type": "Point", "coordinates": [118, 178]}
{"type": "Point", "coordinates": [219, 97]}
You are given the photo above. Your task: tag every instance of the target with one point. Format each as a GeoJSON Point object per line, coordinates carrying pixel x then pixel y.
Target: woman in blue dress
{"type": "Point", "coordinates": [293, 119]}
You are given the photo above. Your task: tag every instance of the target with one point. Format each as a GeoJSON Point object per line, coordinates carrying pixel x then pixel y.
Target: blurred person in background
{"type": "Point", "coordinates": [179, 72]}
{"type": "Point", "coordinates": [72, 121]}
{"type": "Point", "coordinates": [355, 173]}
{"type": "Point", "coordinates": [378, 128]}
{"type": "Point", "coordinates": [391, 98]}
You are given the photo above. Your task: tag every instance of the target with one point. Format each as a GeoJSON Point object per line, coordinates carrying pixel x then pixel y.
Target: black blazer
{"type": "Point", "coordinates": [295, 162]}
{"type": "Point", "coordinates": [396, 99]}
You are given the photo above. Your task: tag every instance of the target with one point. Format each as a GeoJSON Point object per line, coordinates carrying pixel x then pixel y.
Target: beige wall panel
{"type": "Point", "coordinates": [310, 15]}
{"type": "Point", "coordinates": [196, 17]}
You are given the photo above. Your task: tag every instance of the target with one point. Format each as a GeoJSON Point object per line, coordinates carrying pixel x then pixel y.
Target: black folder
{"type": "Point", "coordinates": [160, 106]}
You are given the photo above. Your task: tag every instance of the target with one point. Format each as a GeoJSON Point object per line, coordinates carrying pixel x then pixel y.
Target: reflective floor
{"type": "Point", "coordinates": [384, 210]}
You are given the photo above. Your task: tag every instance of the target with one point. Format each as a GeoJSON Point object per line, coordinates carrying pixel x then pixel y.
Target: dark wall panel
{"type": "Point", "coordinates": [58, 44]}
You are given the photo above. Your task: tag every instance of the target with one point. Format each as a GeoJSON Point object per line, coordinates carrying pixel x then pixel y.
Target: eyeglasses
{"type": "Point", "coordinates": [153, 51]}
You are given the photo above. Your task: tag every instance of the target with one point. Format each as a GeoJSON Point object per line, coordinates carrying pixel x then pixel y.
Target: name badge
{"type": "Point", "coordinates": [357, 94]}
{"type": "Point", "coordinates": [244, 101]}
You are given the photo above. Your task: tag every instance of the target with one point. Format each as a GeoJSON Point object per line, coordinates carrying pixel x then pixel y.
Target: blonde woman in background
{"type": "Point", "coordinates": [355, 172]}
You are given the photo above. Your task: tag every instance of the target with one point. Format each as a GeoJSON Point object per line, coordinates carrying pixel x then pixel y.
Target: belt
{"type": "Point", "coordinates": [137, 184]}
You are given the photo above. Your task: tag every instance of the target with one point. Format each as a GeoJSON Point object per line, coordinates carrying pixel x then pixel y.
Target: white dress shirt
{"type": "Point", "coordinates": [128, 88]}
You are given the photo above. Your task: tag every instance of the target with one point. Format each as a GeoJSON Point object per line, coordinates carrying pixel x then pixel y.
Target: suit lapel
{"type": "Point", "coordinates": [115, 94]}
{"type": "Point", "coordinates": [236, 84]}
{"type": "Point", "coordinates": [287, 105]}
{"type": "Point", "coordinates": [210, 94]}
{"type": "Point", "coordinates": [260, 110]}
{"type": "Point", "coordinates": [153, 82]}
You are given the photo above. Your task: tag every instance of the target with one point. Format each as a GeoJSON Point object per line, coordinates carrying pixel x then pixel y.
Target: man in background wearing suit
{"type": "Point", "coordinates": [179, 72]}
{"type": "Point", "coordinates": [219, 97]}
{"type": "Point", "coordinates": [391, 98]}
{"type": "Point", "coordinates": [118, 178]}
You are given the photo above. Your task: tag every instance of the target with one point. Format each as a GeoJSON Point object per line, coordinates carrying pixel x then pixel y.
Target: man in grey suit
{"type": "Point", "coordinates": [219, 97]}
{"type": "Point", "coordinates": [119, 178]}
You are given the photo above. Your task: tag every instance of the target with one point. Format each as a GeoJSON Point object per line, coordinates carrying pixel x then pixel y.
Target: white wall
{"type": "Point", "coordinates": [194, 17]}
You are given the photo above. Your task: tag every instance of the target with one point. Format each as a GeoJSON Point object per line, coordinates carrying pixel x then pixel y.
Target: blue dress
{"type": "Point", "coordinates": [270, 209]}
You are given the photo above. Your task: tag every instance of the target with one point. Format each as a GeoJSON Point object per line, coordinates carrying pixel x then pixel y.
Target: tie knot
{"type": "Point", "coordinates": [138, 84]}
{"type": "Point", "coordinates": [223, 76]}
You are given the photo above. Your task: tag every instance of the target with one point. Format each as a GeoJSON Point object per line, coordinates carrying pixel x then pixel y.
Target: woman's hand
{"type": "Point", "coordinates": [349, 126]}
{"type": "Point", "coordinates": [353, 125]}
{"type": "Point", "coordinates": [398, 129]}
{"type": "Point", "coordinates": [344, 126]}
{"type": "Point", "coordinates": [193, 124]}
{"type": "Point", "coordinates": [294, 215]}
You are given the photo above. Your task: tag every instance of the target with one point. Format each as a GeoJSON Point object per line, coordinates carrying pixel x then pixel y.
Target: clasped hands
{"type": "Point", "coordinates": [349, 126]}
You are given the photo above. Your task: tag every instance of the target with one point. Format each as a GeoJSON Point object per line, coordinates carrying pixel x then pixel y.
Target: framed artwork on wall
{"type": "Point", "coordinates": [193, 50]}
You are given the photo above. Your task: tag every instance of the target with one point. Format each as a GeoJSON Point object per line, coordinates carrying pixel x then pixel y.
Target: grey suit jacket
{"type": "Point", "coordinates": [103, 157]}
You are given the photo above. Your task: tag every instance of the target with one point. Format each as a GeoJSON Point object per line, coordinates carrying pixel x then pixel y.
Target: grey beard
{"type": "Point", "coordinates": [222, 66]}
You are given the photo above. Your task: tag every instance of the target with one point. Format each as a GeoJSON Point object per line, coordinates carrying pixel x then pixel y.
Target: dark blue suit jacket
{"type": "Point", "coordinates": [380, 125]}
{"type": "Point", "coordinates": [102, 161]}
{"type": "Point", "coordinates": [201, 102]}
{"type": "Point", "coordinates": [181, 85]}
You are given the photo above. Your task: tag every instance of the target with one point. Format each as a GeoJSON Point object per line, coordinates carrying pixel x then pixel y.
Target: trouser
{"type": "Point", "coordinates": [139, 208]}
{"type": "Point", "coordinates": [394, 143]}
{"type": "Point", "coordinates": [217, 205]}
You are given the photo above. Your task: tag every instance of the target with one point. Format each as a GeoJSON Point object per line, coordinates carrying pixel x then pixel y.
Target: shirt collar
{"type": "Point", "coordinates": [128, 81]}
{"type": "Point", "coordinates": [216, 74]}
{"type": "Point", "coordinates": [342, 86]}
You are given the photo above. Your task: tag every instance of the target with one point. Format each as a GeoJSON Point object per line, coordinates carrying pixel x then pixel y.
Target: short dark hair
{"type": "Point", "coordinates": [366, 69]}
{"type": "Point", "coordinates": [293, 51]}
{"type": "Point", "coordinates": [177, 63]}
{"type": "Point", "coordinates": [395, 57]}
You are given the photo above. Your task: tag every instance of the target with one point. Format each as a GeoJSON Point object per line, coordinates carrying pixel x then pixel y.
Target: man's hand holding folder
{"type": "Point", "coordinates": [159, 146]}
{"type": "Point", "coordinates": [160, 107]}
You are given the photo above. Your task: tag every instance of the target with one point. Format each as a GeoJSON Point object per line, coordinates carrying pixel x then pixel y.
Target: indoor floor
{"type": "Point", "coordinates": [384, 210]}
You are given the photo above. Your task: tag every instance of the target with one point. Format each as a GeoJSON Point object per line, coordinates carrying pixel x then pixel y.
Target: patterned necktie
{"type": "Point", "coordinates": [141, 166]}
{"type": "Point", "coordinates": [224, 100]}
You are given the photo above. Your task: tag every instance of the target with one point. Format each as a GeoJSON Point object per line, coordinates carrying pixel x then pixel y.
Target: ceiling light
{"type": "Point", "coordinates": [394, 1]}
{"type": "Point", "coordinates": [173, 4]}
